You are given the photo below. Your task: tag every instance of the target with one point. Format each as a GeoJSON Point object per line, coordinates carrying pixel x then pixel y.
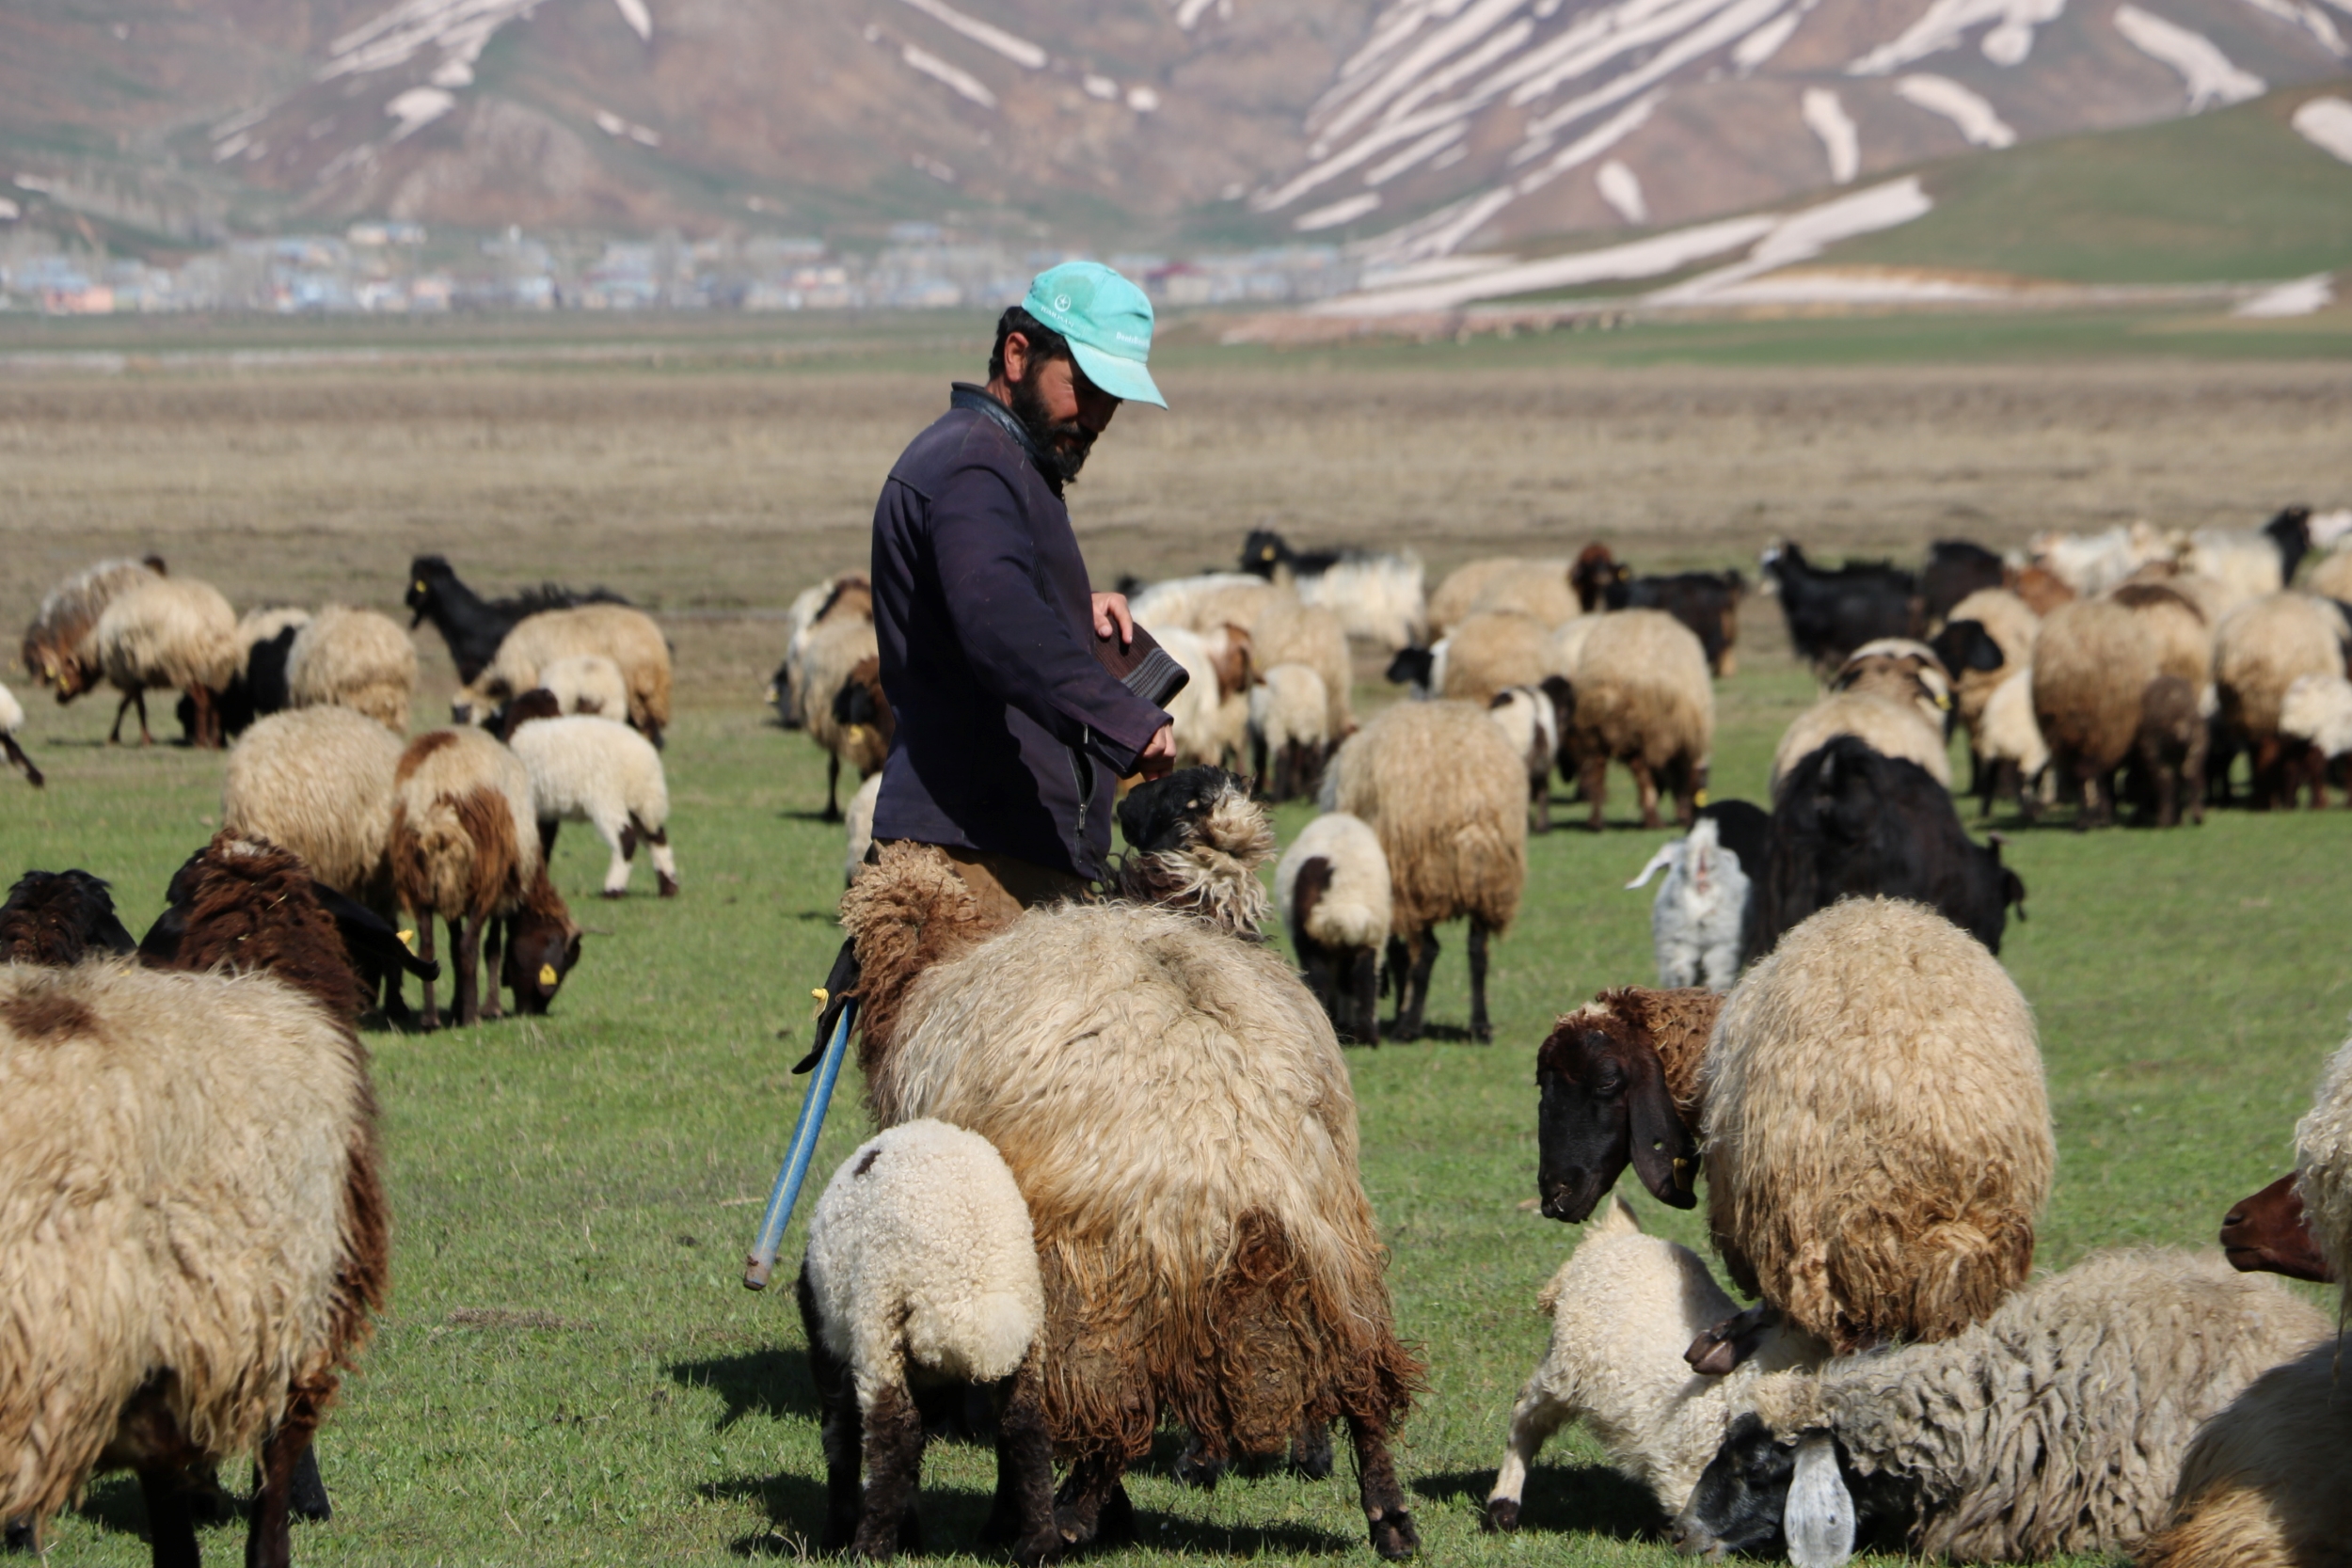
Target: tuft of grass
{"type": "Point", "coordinates": [571, 1373]}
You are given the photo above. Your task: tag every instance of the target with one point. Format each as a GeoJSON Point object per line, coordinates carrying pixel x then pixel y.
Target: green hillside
{"type": "Point", "coordinates": [2230, 195]}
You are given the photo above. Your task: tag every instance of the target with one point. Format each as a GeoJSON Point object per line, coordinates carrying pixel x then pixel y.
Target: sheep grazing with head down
{"type": "Point", "coordinates": [172, 634]}
{"type": "Point", "coordinates": [1440, 785]}
{"type": "Point", "coordinates": [1640, 696]}
{"type": "Point", "coordinates": [2267, 1484]}
{"type": "Point", "coordinates": [1880, 1015]}
{"type": "Point", "coordinates": [1289, 731]}
{"type": "Point", "coordinates": [60, 648]}
{"type": "Point", "coordinates": [629, 637]}
{"type": "Point", "coordinates": [1333, 885]}
{"type": "Point", "coordinates": [354, 658]}
{"type": "Point", "coordinates": [2260, 650]}
{"type": "Point", "coordinates": [586, 769]}
{"type": "Point", "coordinates": [922, 1275]}
{"type": "Point", "coordinates": [1177, 1112]}
{"type": "Point", "coordinates": [2055, 1426]}
{"type": "Point", "coordinates": [1623, 1308]}
{"type": "Point", "coordinates": [59, 918]}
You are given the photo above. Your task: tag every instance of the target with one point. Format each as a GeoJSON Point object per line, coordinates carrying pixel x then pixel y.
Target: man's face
{"type": "Point", "coordinates": [1062, 409]}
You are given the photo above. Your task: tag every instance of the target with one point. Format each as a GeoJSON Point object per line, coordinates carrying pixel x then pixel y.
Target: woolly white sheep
{"type": "Point", "coordinates": [587, 683]}
{"type": "Point", "coordinates": [2093, 564]}
{"type": "Point", "coordinates": [1642, 697]}
{"type": "Point", "coordinates": [12, 721]}
{"type": "Point", "coordinates": [1890, 728]}
{"type": "Point", "coordinates": [1379, 595]}
{"type": "Point", "coordinates": [192, 1263]}
{"type": "Point", "coordinates": [61, 644]}
{"type": "Point", "coordinates": [354, 658]}
{"type": "Point", "coordinates": [1479, 585]}
{"type": "Point", "coordinates": [1695, 923]}
{"type": "Point", "coordinates": [586, 769]}
{"type": "Point", "coordinates": [628, 637]}
{"type": "Point", "coordinates": [1205, 602]}
{"type": "Point", "coordinates": [1489, 652]}
{"type": "Point", "coordinates": [1881, 1015]}
{"type": "Point", "coordinates": [1529, 719]}
{"type": "Point", "coordinates": [2009, 744]}
{"type": "Point", "coordinates": [2260, 650]}
{"type": "Point", "coordinates": [1333, 885]}
{"type": "Point", "coordinates": [173, 633]}
{"type": "Point", "coordinates": [922, 1266]}
{"type": "Point", "coordinates": [1210, 713]}
{"type": "Point", "coordinates": [1624, 1309]}
{"type": "Point", "coordinates": [2055, 1426]}
{"type": "Point", "coordinates": [1289, 730]}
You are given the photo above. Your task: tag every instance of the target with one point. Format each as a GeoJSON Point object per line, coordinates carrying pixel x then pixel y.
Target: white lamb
{"type": "Point", "coordinates": [921, 1269]}
{"type": "Point", "coordinates": [1290, 731]}
{"type": "Point", "coordinates": [2318, 711]}
{"type": "Point", "coordinates": [1624, 1309]}
{"type": "Point", "coordinates": [1694, 924]}
{"type": "Point", "coordinates": [586, 769]}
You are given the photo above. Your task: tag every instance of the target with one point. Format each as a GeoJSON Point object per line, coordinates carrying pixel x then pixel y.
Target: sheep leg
{"type": "Point", "coordinates": [1592, 775]}
{"type": "Point", "coordinates": [1363, 985]}
{"type": "Point", "coordinates": [269, 1541]}
{"type": "Point", "coordinates": [893, 1468]}
{"type": "Point", "coordinates": [308, 1496]}
{"type": "Point", "coordinates": [1023, 1517]}
{"type": "Point", "coordinates": [1482, 1028]}
{"type": "Point", "coordinates": [1310, 1450]}
{"type": "Point", "coordinates": [547, 836]}
{"type": "Point", "coordinates": [664, 860]}
{"type": "Point", "coordinates": [832, 787]}
{"type": "Point", "coordinates": [623, 842]}
{"type": "Point", "coordinates": [428, 1014]}
{"type": "Point", "coordinates": [1645, 786]}
{"type": "Point", "coordinates": [1413, 995]}
{"type": "Point", "coordinates": [1392, 1533]}
{"type": "Point", "coordinates": [1534, 1420]}
{"type": "Point", "coordinates": [1539, 799]}
{"type": "Point", "coordinates": [840, 1427]}
{"type": "Point", "coordinates": [1092, 1506]}
{"type": "Point", "coordinates": [114, 736]}
{"type": "Point", "coordinates": [170, 1519]}
{"type": "Point", "coordinates": [465, 951]}
{"type": "Point", "coordinates": [207, 728]}
{"type": "Point", "coordinates": [493, 939]}
{"type": "Point", "coordinates": [145, 738]}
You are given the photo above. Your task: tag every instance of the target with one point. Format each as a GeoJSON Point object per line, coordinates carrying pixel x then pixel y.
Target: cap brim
{"type": "Point", "coordinates": [1124, 379]}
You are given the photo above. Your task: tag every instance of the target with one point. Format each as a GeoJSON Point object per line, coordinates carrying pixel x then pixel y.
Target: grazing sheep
{"type": "Point", "coordinates": [585, 768]}
{"type": "Point", "coordinates": [844, 595]}
{"type": "Point", "coordinates": [2315, 718]}
{"type": "Point", "coordinates": [628, 637]}
{"type": "Point", "coordinates": [1289, 734]}
{"type": "Point", "coordinates": [464, 846]}
{"type": "Point", "coordinates": [2260, 649]}
{"type": "Point", "coordinates": [860, 823]}
{"type": "Point", "coordinates": [2248, 565]}
{"type": "Point", "coordinates": [1890, 727]}
{"type": "Point", "coordinates": [475, 627]}
{"type": "Point", "coordinates": [1178, 1115]}
{"type": "Point", "coordinates": [1210, 713]}
{"type": "Point", "coordinates": [837, 655]}
{"type": "Point", "coordinates": [2092, 661]}
{"type": "Point", "coordinates": [1194, 841]}
{"type": "Point", "coordinates": [2170, 745]}
{"type": "Point", "coordinates": [1380, 597]}
{"type": "Point", "coordinates": [1623, 1308]}
{"type": "Point", "coordinates": [354, 658]}
{"type": "Point", "coordinates": [2055, 1426]}
{"type": "Point", "coordinates": [1640, 696]}
{"type": "Point", "coordinates": [1832, 612]}
{"type": "Point", "coordinates": [12, 720]}
{"type": "Point", "coordinates": [257, 687]}
{"type": "Point", "coordinates": [319, 781]}
{"type": "Point", "coordinates": [922, 1267]}
{"type": "Point", "coordinates": [1697, 922]}
{"type": "Point", "coordinates": [166, 1314]}
{"type": "Point", "coordinates": [1956, 570]}
{"type": "Point", "coordinates": [1490, 651]}
{"type": "Point", "coordinates": [173, 633]}
{"type": "Point", "coordinates": [59, 918]}
{"type": "Point", "coordinates": [60, 647]}
{"type": "Point", "coordinates": [1333, 885]}
{"type": "Point", "coordinates": [1532, 718]}
{"type": "Point", "coordinates": [587, 683]}
{"type": "Point", "coordinates": [2014, 757]}
{"type": "Point", "coordinates": [1707, 602]}
{"type": "Point", "coordinates": [1619, 1084]}
{"type": "Point", "coordinates": [1459, 597]}
{"type": "Point", "coordinates": [1448, 798]}
{"type": "Point", "coordinates": [1881, 1015]}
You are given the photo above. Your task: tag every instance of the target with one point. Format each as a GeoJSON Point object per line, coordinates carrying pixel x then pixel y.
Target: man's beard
{"type": "Point", "coordinates": [1064, 442]}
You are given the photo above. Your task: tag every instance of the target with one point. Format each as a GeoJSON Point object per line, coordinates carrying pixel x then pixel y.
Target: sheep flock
{"type": "Point", "coordinates": [1113, 1207]}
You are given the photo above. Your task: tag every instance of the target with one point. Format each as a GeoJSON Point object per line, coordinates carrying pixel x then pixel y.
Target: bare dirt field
{"type": "Point", "coordinates": [715, 493]}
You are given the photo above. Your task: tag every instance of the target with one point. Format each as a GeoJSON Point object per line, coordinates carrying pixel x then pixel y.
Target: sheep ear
{"type": "Point", "coordinates": [1661, 1151]}
{"type": "Point", "coordinates": [1818, 1521]}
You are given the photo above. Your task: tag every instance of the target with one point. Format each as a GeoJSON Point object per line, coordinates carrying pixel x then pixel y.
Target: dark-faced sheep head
{"type": "Point", "coordinates": [425, 575]}
{"type": "Point", "coordinates": [542, 948]}
{"type": "Point", "coordinates": [1965, 645]}
{"type": "Point", "coordinates": [2267, 1233]}
{"type": "Point", "coordinates": [1602, 1105]}
{"type": "Point", "coordinates": [1412, 667]}
{"type": "Point", "coordinates": [1768, 1496]}
{"type": "Point", "coordinates": [57, 917]}
{"type": "Point", "coordinates": [1262, 551]}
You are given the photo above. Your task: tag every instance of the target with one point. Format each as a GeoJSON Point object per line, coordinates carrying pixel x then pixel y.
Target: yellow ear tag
{"type": "Point", "coordinates": [1700, 799]}
{"type": "Point", "coordinates": [822, 994]}
{"type": "Point", "coordinates": [1942, 701]}
{"type": "Point", "coordinates": [408, 940]}
{"type": "Point", "coordinates": [421, 585]}
{"type": "Point", "coordinates": [547, 975]}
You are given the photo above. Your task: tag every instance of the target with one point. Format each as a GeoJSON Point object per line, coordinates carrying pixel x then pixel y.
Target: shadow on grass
{"type": "Point", "coordinates": [1589, 1499]}
{"type": "Point", "coordinates": [770, 1382]}
{"type": "Point", "coordinates": [115, 1505]}
{"type": "Point", "coordinates": [950, 1518]}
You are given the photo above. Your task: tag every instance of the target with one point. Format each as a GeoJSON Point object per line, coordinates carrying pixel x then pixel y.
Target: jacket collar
{"type": "Point", "coordinates": [979, 400]}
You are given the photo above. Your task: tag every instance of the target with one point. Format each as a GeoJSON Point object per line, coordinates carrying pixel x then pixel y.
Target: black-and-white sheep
{"type": "Point", "coordinates": [1334, 886]}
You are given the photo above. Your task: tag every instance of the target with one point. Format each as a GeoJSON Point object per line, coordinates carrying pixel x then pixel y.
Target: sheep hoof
{"type": "Point", "coordinates": [22, 1536]}
{"type": "Point", "coordinates": [612, 893]}
{"type": "Point", "coordinates": [1197, 1469]}
{"type": "Point", "coordinates": [1393, 1536]}
{"type": "Point", "coordinates": [668, 886]}
{"type": "Point", "coordinates": [1045, 1546]}
{"type": "Point", "coordinates": [1502, 1517]}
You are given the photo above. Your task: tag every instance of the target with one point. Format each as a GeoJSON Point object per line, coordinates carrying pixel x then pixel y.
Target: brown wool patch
{"type": "Point", "coordinates": [419, 748]}
{"type": "Point", "coordinates": [47, 1014]}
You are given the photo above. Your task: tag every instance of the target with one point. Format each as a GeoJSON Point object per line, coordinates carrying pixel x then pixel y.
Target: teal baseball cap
{"type": "Point", "coordinates": [1108, 321]}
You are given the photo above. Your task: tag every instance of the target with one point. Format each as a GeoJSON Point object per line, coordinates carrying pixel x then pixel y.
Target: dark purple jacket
{"type": "Point", "coordinates": [1010, 736]}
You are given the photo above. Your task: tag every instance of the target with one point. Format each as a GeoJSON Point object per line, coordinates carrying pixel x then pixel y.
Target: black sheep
{"type": "Point", "coordinates": [473, 625]}
{"type": "Point", "coordinates": [1955, 569]}
{"type": "Point", "coordinates": [1830, 612]}
{"type": "Point", "coordinates": [60, 917]}
{"type": "Point", "coordinates": [1853, 823]}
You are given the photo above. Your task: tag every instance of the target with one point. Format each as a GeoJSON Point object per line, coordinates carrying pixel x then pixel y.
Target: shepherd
{"type": "Point", "coordinates": [1012, 732]}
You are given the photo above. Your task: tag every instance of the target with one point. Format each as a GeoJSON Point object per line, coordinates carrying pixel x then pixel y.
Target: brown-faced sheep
{"type": "Point", "coordinates": [1880, 1013]}
{"type": "Point", "coordinates": [1448, 798]}
{"type": "Point", "coordinates": [2260, 649]}
{"type": "Point", "coordinates": [464, 846]}
{"type": "Point", "coordinates": [354, 658]}
{"type": "Point", "coordinates": [167, 1314]}
{"type": "Point", "coordinates": [2092, 661]}
{"type": "Point", "coordinates": [1890, 727]}
{"type": "Point", "coordinates": [1619, 1083]}
{"type": "Point", "coordinates": [629, 638]}
{"type": "Point", "coordinates": [172, 634]}
{"type": "Point", "coordinates": [60, 647]}
{"type": "Point", "coordinates": [1209, 1256]}
{"type": "Point", "coordinates": [1641, 697]}
{"type": "Point", "coordinates": [1493, 650]}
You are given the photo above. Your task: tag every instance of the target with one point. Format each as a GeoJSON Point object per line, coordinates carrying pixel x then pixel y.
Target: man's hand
{"type": "Point", "coordinates": [1110, 609]}
{"type": "Point", "coordinates": [1158, 757]}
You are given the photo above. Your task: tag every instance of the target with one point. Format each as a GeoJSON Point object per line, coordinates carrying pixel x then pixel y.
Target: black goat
{"type": "Point", "coordinates": [473, 625]}
{"type": "Point", "coordinates": [1832, 613]}
{"type": "Point", "coordinates": [60, 917]}
{"type": "Point", "coordinates": [1852, 823]}
{"type": "Point", "coordinates": [2291, 531]}
{"type": "Point", "coordinates": [1265, 550]}
{"type": "Point", "coordinates": [1955, 569]}
{"type": "Point", "coordinates": [1707, 602]}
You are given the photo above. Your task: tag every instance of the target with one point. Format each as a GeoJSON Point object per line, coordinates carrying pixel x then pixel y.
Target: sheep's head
{"type": "Point", "coordinates": [1604, 1104]}
{"type": "Point", "coordinates": [425, 575]}
{"type": "Point", "coordinates": [1800, 1494]}
{"type": "Point", "coordinates": [1196, 841]}
{"type": "Point", "coordinates": [542, 948]}
{"type": "Point", "coordinates": [1262, 551]}
{"type": "Point", "coordinates": [2268, 1233]}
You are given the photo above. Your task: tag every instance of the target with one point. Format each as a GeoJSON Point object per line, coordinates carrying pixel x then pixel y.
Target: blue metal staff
{"type": "Point", "coordinates": [827, 1062]}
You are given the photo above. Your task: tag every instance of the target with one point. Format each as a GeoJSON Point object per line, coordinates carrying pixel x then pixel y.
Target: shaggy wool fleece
{"type": "Point", "coordinates": [187, 1186]}
{"type": "Point", "coordinates": [2267, 1484]}
{"type": "Point", "coordinates": [1175, 1107]}
{"type": "Point", "coordinates": [319, 781]}
{"type": "Point", "coordinates": [1877, 1129]}
{"type": "Point", "coordinates": [1441, 786]}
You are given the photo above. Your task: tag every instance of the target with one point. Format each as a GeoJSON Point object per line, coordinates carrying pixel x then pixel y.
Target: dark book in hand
{"type": "Point", "coordinates": [1143, 667]}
